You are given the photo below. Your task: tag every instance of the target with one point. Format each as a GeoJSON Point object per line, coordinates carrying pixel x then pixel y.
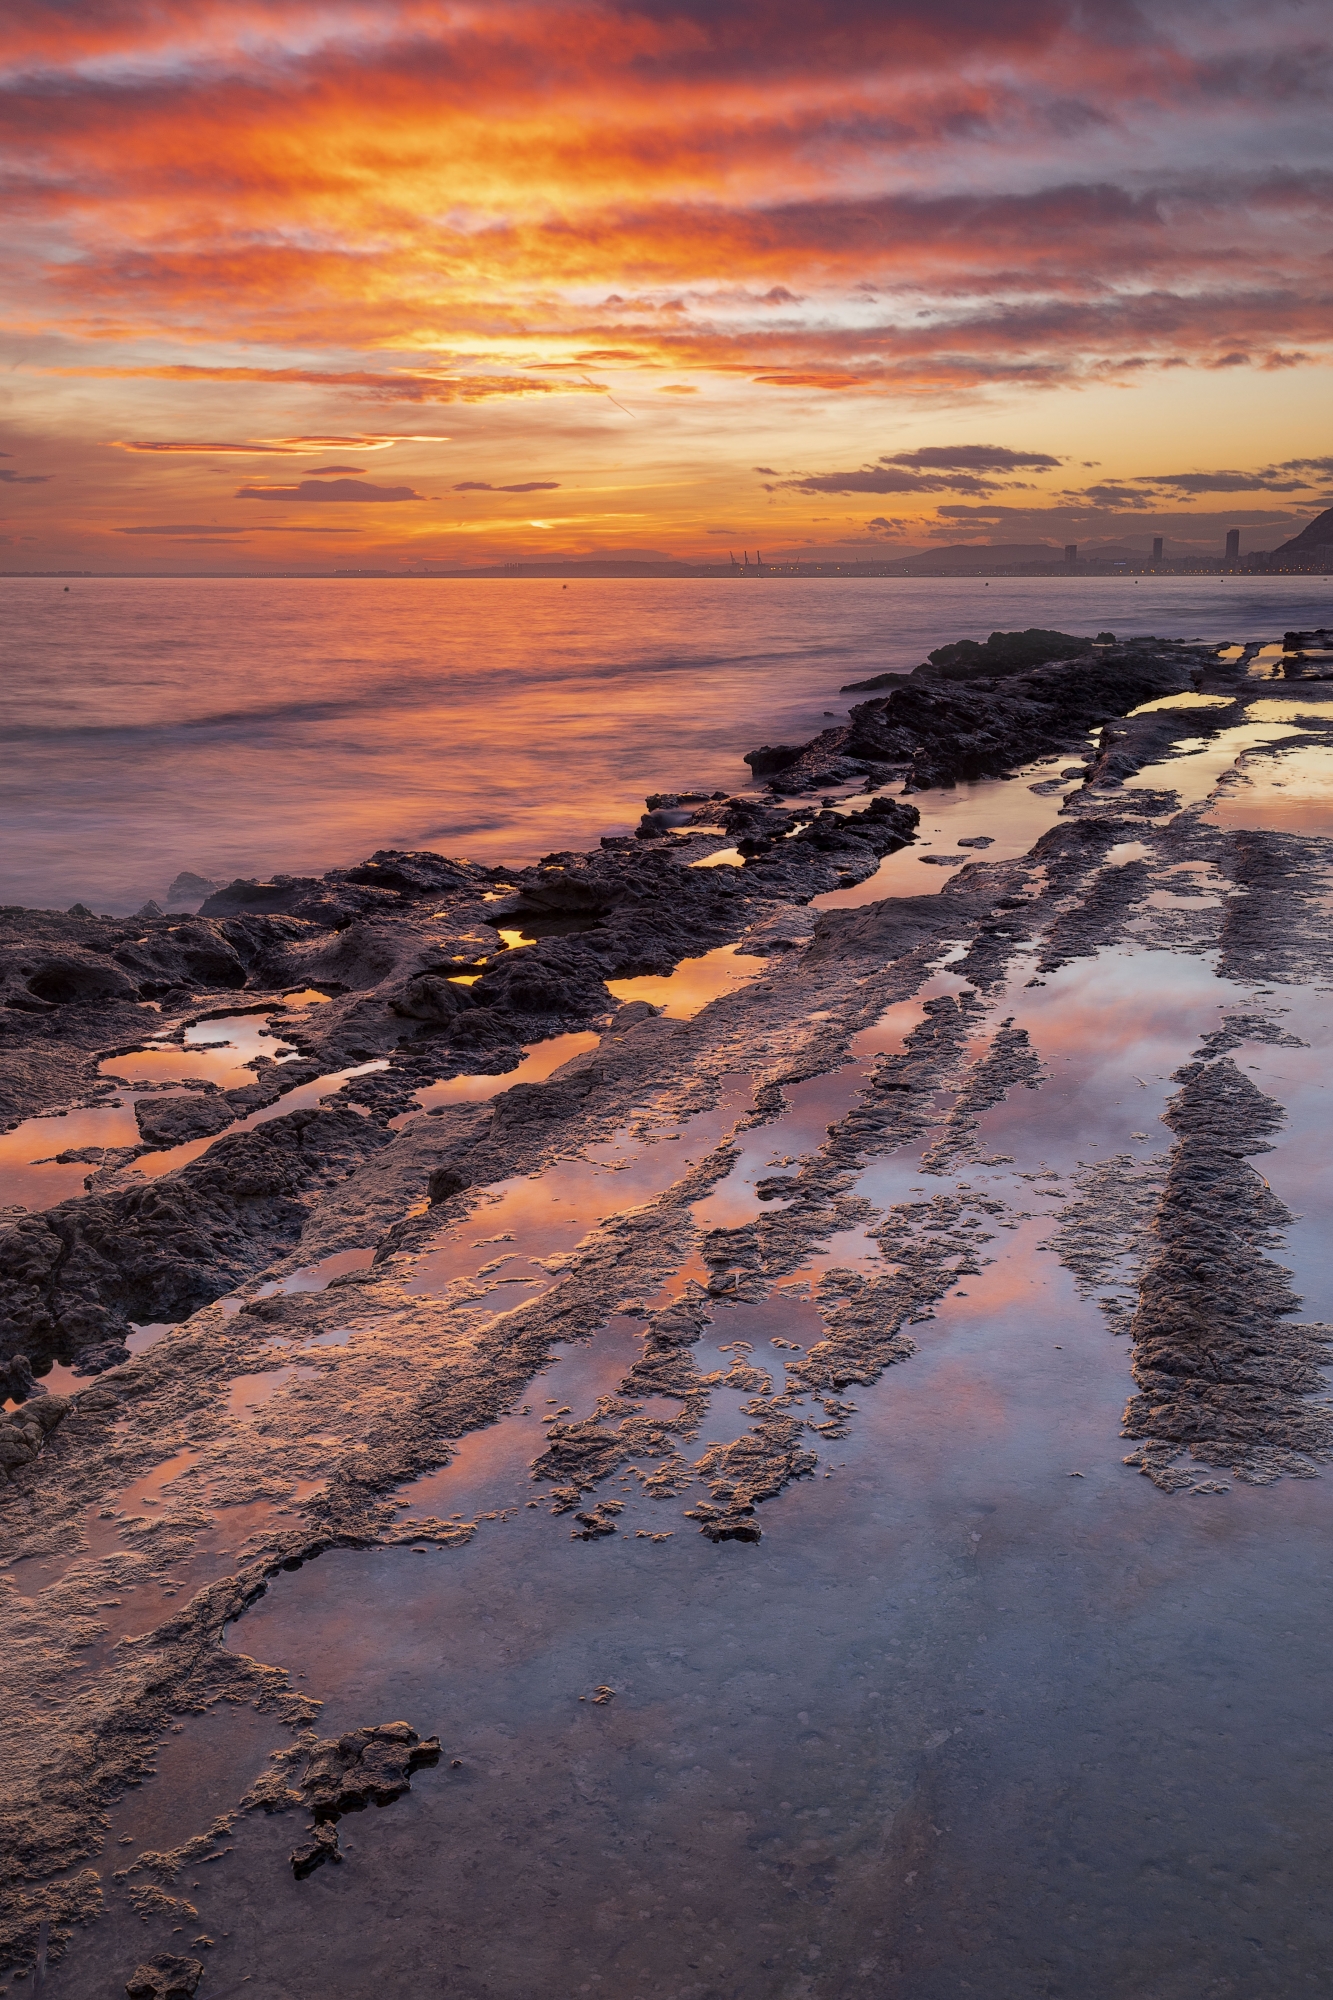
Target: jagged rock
{"type": "Point", "coordinates": [772, 757]}
{"type": "Point", "coordinates": [942, 729]}
{"type": "Point", "coordinates": [165, 1977]}
{"type": "Point", "coordinates": [431, 997]}
{"type": "Point", "coordinates": [421, 873]}
{"type": "Point", "coordinates": [320, 1845]}
{"type": "Point", "coordinates": [601, 1521]}
{"type": "Point", "coordinates": [1006, 653]}
{"type": "Point", "coordinates": [24, 1431]}
{"type": "Point", "coordinates": [551, 978]}
{"type": "Point", "coordinates": [365, 1767]}
{"type": "Point", "coordinates": [173, 1120]}
{"type": "Point", "coordinates": [190, 888]}
{"type": "Point", "coordinates": [968, 659]}
{"type": "Point", "coordinates": [76, 981]}
{"type": "Point", "coordinates": [346, 1773]}
{"type": "Point", "coordinates": [74, 1276]}
{"type": "Point", "coordinates": [1218, 1369]}
{"type": "Point", "coordinates": [188, 954]}
{"type": "Point", "coordinates": [17, 1381]}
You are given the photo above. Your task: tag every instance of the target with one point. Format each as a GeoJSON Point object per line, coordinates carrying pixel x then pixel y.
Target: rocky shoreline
{"type": "Point", "coordinates": [433, 969]}
{"type": "Point", "coordinates": [403, 947]}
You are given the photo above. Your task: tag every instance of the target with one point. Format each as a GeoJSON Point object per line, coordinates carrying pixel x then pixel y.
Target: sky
{"type": "Point", "coordinates": [302, 286]}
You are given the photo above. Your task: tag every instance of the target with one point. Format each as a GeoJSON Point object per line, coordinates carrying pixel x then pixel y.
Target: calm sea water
{"type": "Point", "coordinates": [239, 726]}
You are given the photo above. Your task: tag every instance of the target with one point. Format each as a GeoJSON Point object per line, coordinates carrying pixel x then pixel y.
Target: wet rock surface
{"type": "Point", "coordinates": [344, 1774]}
{"type": "Point", "coordinates": [935, 729]}
{"type": "Point", "coordinates": [1221, 1373]}
{"type": "Point", "coordinates": [166, 1977]}
{"type": "Point", "coordinates": [642, 1187]}
{"type": "Point", "coordinates": [73, 1278]}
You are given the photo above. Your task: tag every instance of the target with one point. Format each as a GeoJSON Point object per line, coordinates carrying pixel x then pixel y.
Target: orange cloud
{"type": "Point", "coordinates": [302, 446]}
{"type": "Point", "coordinates": [245, 227]}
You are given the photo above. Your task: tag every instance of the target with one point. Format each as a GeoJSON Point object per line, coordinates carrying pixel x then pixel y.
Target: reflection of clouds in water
{"type": "Point", "coordinates": [539, 1060]}
{"type": "Point", "coordinates": [1200, 761]}
{"type": "Point", "coordinates": [215, 1051]}
{"type": "Point", "coordinates": [545, 1214]}
{"type": "Point", "coordinates": [1009, 811]}
{"type": "Point", "coordinates": [693, 983]}
{"type": "Point", "coordinates": [1289, 791]}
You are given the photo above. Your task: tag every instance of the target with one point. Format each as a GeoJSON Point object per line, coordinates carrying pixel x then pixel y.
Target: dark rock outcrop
{"type": "Point", "coordinates": [77, 1274]}
{"type": "Point", "coordinates": [24, 1431]}
{"type": "Point", "coordinates": [165, 1977]}
{"type": "Point", "coordinates": [347, 1773]}
{"type": "Point", "coordinates": [936, 728]}
{"type": "Point", "coordinates": [1220, 1371]}
{"type": "Point", "coordinates": [172, 1120]}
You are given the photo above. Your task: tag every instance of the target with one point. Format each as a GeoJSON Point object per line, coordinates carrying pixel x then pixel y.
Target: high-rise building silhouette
{"type": "Point", "coordinates": [1071, 553]}
{"type": "Point", "coordinates": [1233, 544]}
{"type": "Point", "coordinates": [1157, 548]}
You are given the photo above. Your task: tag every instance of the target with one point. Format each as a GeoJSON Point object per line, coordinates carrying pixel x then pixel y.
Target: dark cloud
{"type": "Point", "coordinates": [26, 478]}
{"type": "Point", "coordinates": [762, 41]}
{"type": "Point", "coordinates": [328, 471]}
{"type": "Point", "coordinates": [1075, 522]}
{"type": "Point", "coordinates": [357, 490]}
{"type": "Point", "coordinates": [1227, 482]}
{"type": "Point", "coordinates": [888, 479]}
{"type": "Point", "coordinates": [376, 385]}
{"type": "Point", "coordinates": [957, 468]}
{"type": "Point", "coordinates": [1110, 493]}
{"type": "Point", "coordinates": [972, 458]}
{"type": "Point", "coordinates": [1145, 489]}
{"type": "Point", "coordinates": [527, 486]}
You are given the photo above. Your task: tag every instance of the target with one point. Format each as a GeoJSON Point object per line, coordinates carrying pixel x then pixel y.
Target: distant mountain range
{"type": "Point", "coordinates": [980, 555]}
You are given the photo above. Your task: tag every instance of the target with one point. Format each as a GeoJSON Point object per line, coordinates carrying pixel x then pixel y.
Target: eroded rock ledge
{"type": "Point", "coordinates": [1223, 1375]}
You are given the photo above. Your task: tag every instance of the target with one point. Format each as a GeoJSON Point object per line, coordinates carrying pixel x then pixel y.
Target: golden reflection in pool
{"type": "Point", "coordinates": [1290, 791]}
{"type": "Point", "coordinates": [694, 983]}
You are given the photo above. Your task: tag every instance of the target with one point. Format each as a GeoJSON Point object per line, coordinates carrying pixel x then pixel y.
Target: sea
{"type": "Point", "coordinates": [246, 726]}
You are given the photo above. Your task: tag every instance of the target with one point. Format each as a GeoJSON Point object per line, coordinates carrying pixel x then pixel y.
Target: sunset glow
{"type": "Point", "coordinates": [859, 278]}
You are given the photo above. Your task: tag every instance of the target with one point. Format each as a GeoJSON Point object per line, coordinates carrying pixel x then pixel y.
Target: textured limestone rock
{"type": "Point", "coordinates": [1220, 1370]}
{"type": "Point", "coordinates": [166, 1977]}
{"type": "Point", "coordinates": [347, 1773]}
